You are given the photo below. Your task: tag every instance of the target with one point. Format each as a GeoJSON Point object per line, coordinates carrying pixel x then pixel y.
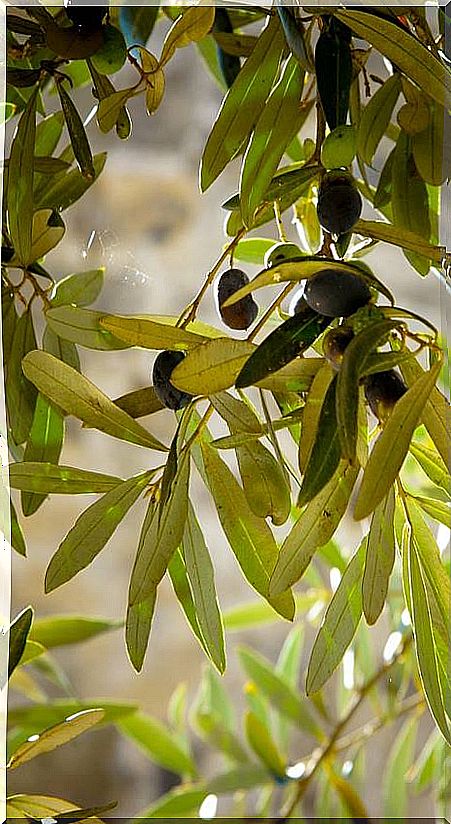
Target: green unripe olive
{"type": "Point", "coordinates": [335, 343]}
{"type": "Point", "coordinates": [111, 56]}
{"type": "Point", "coordinates": [281, 251]}
{"type": "Point", "coordinates": [336, 294]}
{"type": "Point", "coordinates": [167, 393]}
{"type": "Point", "coordinates": [339, 147]}
{"type": "Point", "coordinates": [339, 202]}
{"type": "Point", "coordinates": [239, 315]}
{"type": "Point", "coordinates": [85, 17]}
{"type": "Point", "coordinates": [382, 390]}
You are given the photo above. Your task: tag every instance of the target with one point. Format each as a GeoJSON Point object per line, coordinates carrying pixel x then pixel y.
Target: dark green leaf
{"type": "Point", "coordinates": [21, 395]}
{"type": "Point", "coordinates": [137, 629]}
{"type": "Point", "coordinates": [376, 117]}
{"type": "Point", "coordinates": [410, 199]}
{"type": "Point", "coordinates": [18, 634]}
{"type": "Point", "coordinates": [92, 530]}
{"type": "Point", "coordinates": [9, 320]}
{"type": "Point", "coordinates": [333, 64]}
{"type": "Point", "coordinates": [43, 445]}
{"type": "Point", "coordinates": [64, 350]}
{"type": "Point", "coordinates": [139, 403]}
{"type": "Point", "coordinates": [17, 538]}
{"type": "Point", "coordinates": [20, 182]}
{"type": "Point", "coordinates": [325, 454]}
{"type": "Point", "coordinates": [77, 134]}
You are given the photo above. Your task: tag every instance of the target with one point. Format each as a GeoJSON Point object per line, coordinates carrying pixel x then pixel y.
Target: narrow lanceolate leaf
{"type": "Point", "coordinates": [380, 557]}
{"type": "Point", "coordinates": [354, 361]}
{"type": "Point", "coordinates": [193, 24]}
{"type": "Point", "coordinates": [77, 134]}
{"type": "Point", "coordinates": [46, 478]}
{"type": "Point", "coordinates": [47, 231]}
{"type": "Point", "coordinates": [326, 452]}
{"type": "Point", "coordinates": [201, 577]}
{"type": "Point", "coordinates": [250, 538]}
{"type": "Point", "coordinates": [280, 694]}
{"type": "Point", "coordinates": [18, 634]}
{"type": "Point", "coordinates": [92, 530]}
{"type": "Point", "coordinates": [82, 288]}
{"type": "Point", "coordinates": [64, 350]}
{"type": "Point", "coordinates": [395, 786]}
{"type": "Point", "coordinates": [437, 510]}
{"type": "Point", "coordinates": [264, 482]}
{"type": "Point", "coordinates": [111, 108]}
{"type": "Point", "coordinates": [432, 464]}
{"type": "Point", "coordinates": [137, 629]}
{"type": "Point", "coordinates": [426, 644]}
{"type": "Point", "coordinates": [294, 34]}
{"type": "Point", "coordinates": [181, 586]}
{"type": "Point", "coordinates": [283, 345]}
{"type": "Point", "coordinates": [160, 536]}
{"type": "Point", "coordinates": [83, 327]}
{"type": "Point", "coordinates": [333, 64]}
{"type": "Point", "coordinates": [263, 745]}
{"type": "Point", "coordinates": [376, 117]}
{"type": "Point", "coordinates": [20, 182]}
{"type": "Point", "coordinates": [212, 366]}
{"type": "Point", "coordinates": [410, 199]}
{"type": "Point", "coordinates": [139, 403]}
{"type": "Point", "coordinates": [392, 445]}
{"type": "Point", "coordinates": [17, 538]}
{"type": "Point", "coordinates": [65, 188]}
{"type": "Point", "coordinates": [60, 630]}
{"type": "Point", "coordinates": [276, 127]}
{"type": "Point", "coordinates": [411, 241]}
{"type": "Point", "coordinates": [243, 103]}
{"type": "Point", "coordinates": [339, 625]}
{"type": "Point", "coordinates": [157, 742]}
{"type": "Point", "coordinates": [314, 528]}
{"type": "Point", "coordinates": [43, 445]}
{"type": "Point", "coordinates": [435, 414]}
{"type": "Point", "coordinates": [21, 395]}
{"type": "Point", "coordinates": [429, 149]}
{"type": "Point", "coordinates": [55, 736]}
{"type": "Point", "coordinates": [149, 333]}
{"type": "Point", "coordinates": [411, 56]}
{"type": "Point", "coordinates": [77, 396]}
{"type": "Point", "coordinates": [312, 411]}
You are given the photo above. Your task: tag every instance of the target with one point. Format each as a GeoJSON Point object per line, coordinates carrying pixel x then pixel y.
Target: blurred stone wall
{"type": "Point", "coordinates": [157, 237]}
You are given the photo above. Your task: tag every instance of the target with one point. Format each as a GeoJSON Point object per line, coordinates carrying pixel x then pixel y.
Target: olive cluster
{"type": "Point", "coordinates": [86, 18]}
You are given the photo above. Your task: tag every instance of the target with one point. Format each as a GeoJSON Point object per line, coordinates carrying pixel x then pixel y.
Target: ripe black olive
{"type": "Point", "coordinates": [163, 368]}
{"type": "Point", "coordinates": [339, 202]}
{"type": "Point", "coordinates": [239, 315]}
{"type": "Point", "coordinates": [88, 18]}
{"type": "Point", "coordinates": [336, 294]}
{"type": "Point", "coordinates": [335, 343]}
{"type": "Point", "coordinates": [298, 303]}
{"type": "Point", "coordinates": [382, 390]}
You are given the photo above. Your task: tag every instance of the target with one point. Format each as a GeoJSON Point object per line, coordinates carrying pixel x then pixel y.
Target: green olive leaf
{"type": "Point", "coordinates": [410, 200]}
{"type": "Point", "coordinates": [435, 414]}
{"type": "Point", "coordinates": [54, 737]}
{"type": "Point", "coordinates": [60, 630]}
{"type": "Point", "coordinates": [391, 447]}
{"type": "Point", "coordinates": [432, 464]}
{"type": "Point", "coordinates": [139, 403]}
{"type": "Point", "coordinates": [77, 134]}
{"type": "Point", "coordinates": [283, 345]}
{"type": "Point", "coordinates": [81, 288]}
{"type": "Point", "coordinates": [137, 629]}
{"type": "Point", "coordinates": [82, 326]}
{"type": "Point", "coordinates": [20, 182]}
{"type": "Point", "coordinates": [18, 634]}
{"type": "Point", "coordinates": [380, 558]}
{"type": "Point", "coordinates": [47, 231]}
{"type": "Point", "coordinates": [314, 528]}
{"type": "Point", "coordinates": [243, 103]}
{"type": "Point", "coordinates": [92, 530]}
{"type": "Point", "coordinates": [278, 123]}
{"type": "Point", "coordinates": [411, 56]}
{"type": "Point", "coordinates": [339, 625]}
{"type": "Point", "coordinates": [47, 478]}
{"type": "Point", "coordinates": [104, 88]}
{"type": "Point", "coordinates": [64, 350]}
{"type": "Point", "coordinates": [62, 190]}
{"type": "Point", "coordinates": [438, 510]}
{"type": "Point", "coordinates": [376, 116]}
{"type": "Point", "coordinates": [428, 147]}
{"type": "Point", "coordinates": [21, 395]}
{"type": "Point", "coordinates": [44, 444]}
{"type": "Point", "coordinates": [157, 742]}
{"type": "Point", "coordinates": [312, 411]}
{"type": "Point", "coordinates": [150, 334]}
{"type": "Point", "coordinates": [250, 538]}
{"type": "Point", "coordinates": [111, 108]}
{"type": "Point", "coordinates": [325, 453]}
{"type": "Point", "coordinates": [77, 396]}
{"type": "Point", "coordinates": [263, 745]}
{"type": "Point", "coordinates": [192, 25]}
{"type": "Point", "coordinates": [17, 538]}
{"type": "Point", "coordinates": [404, 238]}
{"type": "Point", "coordinates": [212, 366]}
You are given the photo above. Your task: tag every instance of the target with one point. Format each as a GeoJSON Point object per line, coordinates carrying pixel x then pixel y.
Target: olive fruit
{"type": "Point", "coordinates": [336, 294]}
{"type": "Point", "coordinates": [335, 343]}
{"type": "Point", "coordinates": [239, 315]}
{"type": "Point", "coordinates": [298, 302]}
{"type": "Point", "coordinates": [280, 252]}
{"type": "Point", "coordinates": [382, 390]}
{"type": "Point", "coordinates": [339, 202]}
{"type": "Point", "coordinates": [166, 392]}
{"type": "Point", "coordinates": [88, 18]}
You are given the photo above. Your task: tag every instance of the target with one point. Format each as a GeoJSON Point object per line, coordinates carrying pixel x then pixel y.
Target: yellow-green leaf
{"type": "Point", "coordinates": [55, 736]}
{"type": "Point", "coordinates": [82, 326]}
{"type": "Point", "coordinates": [376, 117]}
{"type": "Point", "coordinates": [77, 396]}
{"type": "Point", "coordinates": [82, 288]}
{"type": "Point", "coordinates": [263, 745]}
{"type": "Point", "coordinates": [47, 478]}
{"type": "Point", "coordinates": [137, 629]}
{"type": "Point", "coordinates": [312, 411]}
{"type": "Point", "coordinates": [429, 149]}
{"type": "Point", "coordinates": [391, 447]}
{"type": "Point", "coordinates": [110, 109]}
{"type": "Point", "coordinates": [193, 24]}
{"type": "Point", "coordinates": [212, 366]}
{"type": "Point", "coordinates": [150, 334]}
{"type": "Point", "coordinates": [404, 238]}
{"type": "Point", "coordinates": [380, 557]}
{"type": "Point", "coordinates": [47, 231]}
{"type": "Point", "coordinates": [435, 414]}
{"type": "Point", "coordinates": [20, 181]}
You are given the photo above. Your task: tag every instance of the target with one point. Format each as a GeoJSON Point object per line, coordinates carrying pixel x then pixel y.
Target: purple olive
{"type": "Point", "coordinates": [382, 390]}
{"type": "Point", "coordinates": [239, 315]}
{"type": "Point", "coordinates": [339, 202]}
{"type": "Point", "coordinates": [335, 344]}
{"type": "Point", "coordinates": [167, 393]}
{"type": "Point", "coordinates": [336, 294]}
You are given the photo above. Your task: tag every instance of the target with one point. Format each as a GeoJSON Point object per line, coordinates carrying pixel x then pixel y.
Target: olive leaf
{"type": "Point", "coordinates": [339, 625]}
{"type": "Point", "coordinates": [139, 403]}
{"type": "Point", "coordinates": [92, 530]}
{"type": "Point", "coordinates": [391, 447]}
{"type": "Point", "coordinates": [17, 538]}
{"type": "Point", "coordinates": [54, 737]}
{"type": "Point", "coordinates": [46, 478]}
{"type": "Point", "coordinates": [376, 116]}
{"type": "Point", "coordinates": [20, 182]}
{"type": "Point", "coordinates": [429, 149]}
{"type": "Point", "coordinates": [150, 334]}
{"type": "Point", "coordinates": [294, 34]}
{"type": "Point", "coordinates": [64, 350]}
{"type": "Point", "coordinates": [242, 104]}
{"type": "Point", "coordinates": [263, 745]}
{"type": "Point", "coordinates": [82, 326]}
{"type": "Point", "coordinates": [18, 634]}
{"type": "Point", "coordinates": [314, 528]}
{"type": "Point", "coordinates": [44, 444]}
{"type": "Point", "coordinates": [77, 396]}
{"type": "Point", "coordinates": [432, 464]}
{"type": "Point", "coordinates": [326, 452]}
{"type": "Point", "coordinates": [438, 510]}
{"type": "Point", "coordinates": [137, 629]}
{"type": "Point", "coordinates": [380, 557]}
{"type": "Point", "coordinates": [157, 742]}
{"type": "Point", "coordinates": [77, 134]}
{"type": "Point", "coordinates": [402, 237]}
{"type": "Point", "coordinates": [411, 56]}
{"type": "Point", "coordinates": [21, 395]}
{"type": "Point", "coordinates": [278, 123]}
{"type": "Point", "coordinates": [435, 413]}
{"type": "Point", "coordinates": [81, 288]}
{"type": "Point", "coordinates": [103, 89]}
{"type": "Point", "coordinates": [192, 24]}
{"type": "Point", "coordinates": [312, 411]}
{"type": "Point", "coordinates": [250, 538]}
{"type": "Point", "coordinates": [410, 199]}
{"type": "Point", "coordinates": [56, 631]}
{"type": "Point", "coordinates": [111, 108]}
{"type": "Point", "coordinates": [212, 366]}
{"type": "Point", "coordinates": [62, 190]}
